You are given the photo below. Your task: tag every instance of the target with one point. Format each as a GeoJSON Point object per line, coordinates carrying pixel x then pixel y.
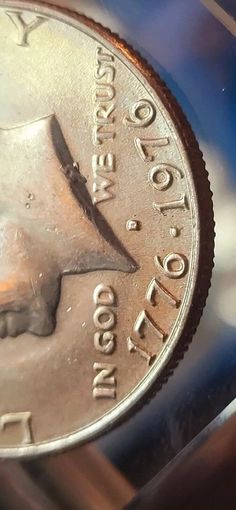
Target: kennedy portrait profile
{"type": "Point", "coordinates": [48, 227]}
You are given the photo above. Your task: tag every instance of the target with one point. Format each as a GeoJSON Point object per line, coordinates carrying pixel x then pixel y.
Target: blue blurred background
{"type": "Point", "coordinates": [196, 56]}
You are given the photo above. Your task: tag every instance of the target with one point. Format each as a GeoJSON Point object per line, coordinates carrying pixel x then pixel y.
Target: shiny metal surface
{"type": "Point", "coordinates": [195, 54]}
{"type": "Point", "coordinates": [108, 183]}
{"type": "Point", "coordinates": [201, 73]}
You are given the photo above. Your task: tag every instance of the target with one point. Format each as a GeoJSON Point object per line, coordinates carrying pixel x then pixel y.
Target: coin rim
{"type": "Point", "coordinates": [204, 209]}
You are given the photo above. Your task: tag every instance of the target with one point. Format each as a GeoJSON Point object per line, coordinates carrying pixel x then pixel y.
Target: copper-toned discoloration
{"type": "Point", "coordinates": [48, 227]}
{"type": "Point", "coordinates": [113, 186]}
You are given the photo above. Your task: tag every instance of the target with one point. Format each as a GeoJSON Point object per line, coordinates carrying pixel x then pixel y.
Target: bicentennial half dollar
{"type": "Point", "coordinates": [106, 230]}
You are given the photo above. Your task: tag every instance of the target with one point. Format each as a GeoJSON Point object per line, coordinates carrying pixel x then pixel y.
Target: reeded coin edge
{"type": "Point", "coordinates": [206, 243]}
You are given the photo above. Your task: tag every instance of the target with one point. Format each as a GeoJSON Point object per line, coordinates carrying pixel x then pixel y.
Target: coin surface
{"type": "Point", "coordinates": [106, 230]}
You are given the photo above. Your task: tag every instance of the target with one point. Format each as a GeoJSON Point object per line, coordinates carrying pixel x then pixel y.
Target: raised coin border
{"type": "Point", "coordinates": [152, 382]}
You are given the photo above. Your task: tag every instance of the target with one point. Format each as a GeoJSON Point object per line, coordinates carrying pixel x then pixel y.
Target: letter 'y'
{"type": "Point", "coordinates": [24, 29]}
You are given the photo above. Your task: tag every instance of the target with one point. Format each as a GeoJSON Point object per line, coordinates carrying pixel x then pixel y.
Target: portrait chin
{"type": "Point", "coordinates": [49, 227]}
